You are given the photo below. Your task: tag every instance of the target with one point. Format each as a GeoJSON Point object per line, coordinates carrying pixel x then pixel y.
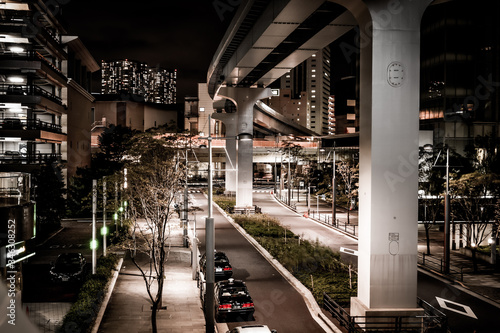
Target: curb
{"type": "Point", "coordinates": [105, 301]}
{"type": "Point", "coordinates": [311, 303]}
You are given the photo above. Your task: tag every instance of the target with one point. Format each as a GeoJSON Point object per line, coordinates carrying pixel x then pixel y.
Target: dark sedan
{"type": "Point", "coordinates": [233, 299]}
{"type": "Point", "coordinates": [69, 267]}
{"type": "Point", "coordinates": [223, 269]}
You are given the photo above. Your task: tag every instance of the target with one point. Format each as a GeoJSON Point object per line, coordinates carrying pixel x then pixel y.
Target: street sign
{"type": "Point", "coordinates": [349, 251]}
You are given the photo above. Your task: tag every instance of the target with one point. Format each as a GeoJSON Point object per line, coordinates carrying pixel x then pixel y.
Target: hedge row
{"type": "Point", "coordinates": [82, 314]}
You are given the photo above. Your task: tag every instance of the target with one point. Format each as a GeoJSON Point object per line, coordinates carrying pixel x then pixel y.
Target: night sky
{"type": "Point", "coordinates": [182, 35]}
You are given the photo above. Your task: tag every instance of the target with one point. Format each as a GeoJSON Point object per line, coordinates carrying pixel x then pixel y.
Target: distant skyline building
{"type": "Point", "coordinates": [155, 85]}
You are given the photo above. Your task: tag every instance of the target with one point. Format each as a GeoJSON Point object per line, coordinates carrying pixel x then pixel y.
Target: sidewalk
{"type": "Point", "coordinates": [486, 282]}
{"type": "Point", "coordinates": [129, 307]}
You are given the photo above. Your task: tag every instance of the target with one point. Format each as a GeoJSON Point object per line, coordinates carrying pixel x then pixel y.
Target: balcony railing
{"type": "Point", "coordinates": [15, 157]}
{"type": "Point", "coordinates": [28, 90]}
{"type": "Point", "coordinates": [29, 124]}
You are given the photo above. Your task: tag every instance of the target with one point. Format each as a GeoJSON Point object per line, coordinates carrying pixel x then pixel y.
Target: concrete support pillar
{"type": "Point", "coordinates": [244, 99]}
{"type": "Point", "coordinates": [230, 121]}
{"type": "Point", "coordinates": [389, 122]}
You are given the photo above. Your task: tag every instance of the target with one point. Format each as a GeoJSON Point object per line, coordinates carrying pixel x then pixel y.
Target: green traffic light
{"type": "Point", "coordinates": [104, 231]}
{"type": "Point", "coordinates": [93, 244]}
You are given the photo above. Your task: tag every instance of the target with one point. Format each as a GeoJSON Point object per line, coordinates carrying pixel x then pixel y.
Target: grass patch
{"type": "Point", "coordinates": [316, 266]}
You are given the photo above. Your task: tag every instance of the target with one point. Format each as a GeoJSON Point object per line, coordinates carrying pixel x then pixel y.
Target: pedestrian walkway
{"type": "Point", "coordinates": [129, 309]}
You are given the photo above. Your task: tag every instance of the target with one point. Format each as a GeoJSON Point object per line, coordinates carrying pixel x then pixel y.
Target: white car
{"type": "Point", "coordinates": [252, 329]}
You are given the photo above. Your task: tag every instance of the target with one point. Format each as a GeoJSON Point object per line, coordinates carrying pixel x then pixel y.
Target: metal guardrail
{"type": "Point", "coordinates": [432, 319]}
{"type": "Point", "coordinates": [437, 264]}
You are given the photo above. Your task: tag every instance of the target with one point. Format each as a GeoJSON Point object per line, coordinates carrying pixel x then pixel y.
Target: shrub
{"type": "Point", "coordinates": [83, 312]}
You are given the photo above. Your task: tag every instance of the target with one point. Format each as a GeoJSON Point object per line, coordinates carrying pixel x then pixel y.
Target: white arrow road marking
{"type": "Point", "coordinates": [467, 311]}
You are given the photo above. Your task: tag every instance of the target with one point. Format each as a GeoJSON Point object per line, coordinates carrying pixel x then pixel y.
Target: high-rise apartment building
{"type": "Point", "coordinates": [155, 85]}
{"type": "Point", "coordinates": [307, 89]}
{"type": "Point", "coordinates": [45, 107]}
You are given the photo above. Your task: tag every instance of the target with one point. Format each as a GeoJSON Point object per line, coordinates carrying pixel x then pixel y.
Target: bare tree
{"type": "Point", "coordinates": [154, 179]}
{"type": "Point", "coordinates": [349, 172]}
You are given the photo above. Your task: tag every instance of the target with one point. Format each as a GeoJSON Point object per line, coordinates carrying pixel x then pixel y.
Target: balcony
{"type": "Point", "coordinates": [29, 124]}
{"type": "Point", "coordinates": [25, 93]}
{"type": "Point", "coordinates": [16, 157]}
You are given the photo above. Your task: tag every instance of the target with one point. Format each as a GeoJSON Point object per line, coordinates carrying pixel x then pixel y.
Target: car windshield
{"type": "Point", "coordinates": [67, 263]}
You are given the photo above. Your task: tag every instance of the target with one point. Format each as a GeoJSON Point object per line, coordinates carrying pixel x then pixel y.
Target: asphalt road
{"type": "Point", "coordinates": [466, 312]}
{"type": "Point", "coordinates": [277, 303]}
{"type": "Point", "coordinates": [37, 284]}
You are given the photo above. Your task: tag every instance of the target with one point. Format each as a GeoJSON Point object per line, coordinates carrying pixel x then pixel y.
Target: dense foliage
{"type": "Point", "coordinates": [83, 312]}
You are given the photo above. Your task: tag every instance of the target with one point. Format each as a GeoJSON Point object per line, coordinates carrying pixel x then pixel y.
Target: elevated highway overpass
{"type": "Point", "coordinates": [266, 39]}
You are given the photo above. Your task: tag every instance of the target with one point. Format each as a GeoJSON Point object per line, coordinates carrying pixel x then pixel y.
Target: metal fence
{"type": "Point", "coordinates": [433, 320]}
{"type": "Point", "coordinates": [437, 264]}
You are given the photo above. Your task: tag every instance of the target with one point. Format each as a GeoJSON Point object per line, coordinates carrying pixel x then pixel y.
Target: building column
{"type": "Point", "coordinates": [389, 123]}
{"type": "Point", "coordinates": [230, 121]}
{"type": "Point", "coordinates": [244, 99]}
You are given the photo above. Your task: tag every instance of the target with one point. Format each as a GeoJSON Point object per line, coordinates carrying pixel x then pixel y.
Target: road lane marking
{"type": "Point", "coordinates": [467, 311]}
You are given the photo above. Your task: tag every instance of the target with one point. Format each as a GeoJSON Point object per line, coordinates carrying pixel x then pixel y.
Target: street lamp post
{"type": "Point", "coordinates": [104, 229]}
{"type": "Point", "coordinates": [209, 245]}
{"type": "Point", "coordinates": [334, 196]}
{"type": "Point", "coordinates": [447, 216]}
{"type": "Point", "coordinates": [93, 243]}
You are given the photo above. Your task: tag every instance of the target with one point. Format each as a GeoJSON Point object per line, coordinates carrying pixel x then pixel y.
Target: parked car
{"type": "Point", "coordinates": [223, 269]}
{"type": "Point", "coordinates": [233, 299]}
{"type": "Point", "coordinates": [68, 267]}
{"type": "Point", "coordinates": [252, 329]}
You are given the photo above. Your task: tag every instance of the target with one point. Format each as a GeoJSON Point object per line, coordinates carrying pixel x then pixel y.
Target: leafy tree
{"type": "Point", "coordinates": [155, 177]}
{"type": "Point", "coordinates": [431, 189]}
{"type": "Point", "coordinates": [49, 196]}
{"type": "Point", "coordinates": [473, 203]}
{"type": "Point", "coordinates": [114, 144]}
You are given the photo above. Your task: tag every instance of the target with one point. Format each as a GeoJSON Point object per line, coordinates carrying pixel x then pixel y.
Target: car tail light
{"type": "Point", "coordinates": [225, 306]}
{"type": "Point", "coordinates": [247, 305]}
{"type": "Point", "coordinates": [228, 269]}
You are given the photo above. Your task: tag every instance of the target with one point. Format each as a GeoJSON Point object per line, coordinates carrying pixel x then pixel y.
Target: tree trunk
{"type": "Point", "coordinates": [474, 260]}
{"type": "Point", "coordinates": [427, 238]}
{"type": "Point", "coordinates": [154, 309]}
